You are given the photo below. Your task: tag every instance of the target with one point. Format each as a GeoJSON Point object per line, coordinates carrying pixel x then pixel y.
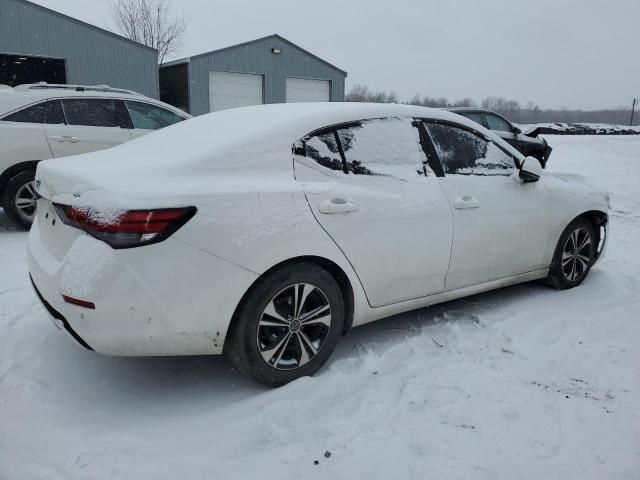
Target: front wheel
{"type": "Point", "coordinates": [574, 255]}
{"type": "Point", "coordinates": [20, 199]}
{"type": "Point", "coordinates": [288, 324]}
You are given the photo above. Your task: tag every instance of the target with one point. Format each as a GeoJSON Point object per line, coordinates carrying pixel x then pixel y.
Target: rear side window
{"type": "Point", "coordinates": [379, 147]}
{"type": "Point", "coordinates": [32, 114]}
{"type": "Point", "coordinates": [496, 123]}
{"type": "Point", "coordinates": [324, 150]}
{"type": "Point", "coordinates": [151, 117]}
{"type": "Point", "coordinates": [462, 152]}
{"type": "Point", "coordinates": [93, 112]}
{"type": "Point", "coordinates": [382, 147]}
{"type": "Point", "coordinates": [54, 114]}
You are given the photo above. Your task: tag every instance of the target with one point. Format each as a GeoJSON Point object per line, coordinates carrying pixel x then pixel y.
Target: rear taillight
{"type": "Point", "coordinates": [127, 229]}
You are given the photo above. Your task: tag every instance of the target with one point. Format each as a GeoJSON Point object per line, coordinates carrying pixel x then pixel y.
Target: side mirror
{"type": "Point", "coordinates": [531, 170]}
{"type": "Point", "coordinates": [517, 131]}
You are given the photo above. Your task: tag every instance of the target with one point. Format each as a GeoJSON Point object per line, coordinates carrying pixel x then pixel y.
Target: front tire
{"type": "Point", "coordinates": [574, 255]}
{"type": "Point", "coordinates": [20, 199]}
{"type": "Point", "coordinates": [288, 324]}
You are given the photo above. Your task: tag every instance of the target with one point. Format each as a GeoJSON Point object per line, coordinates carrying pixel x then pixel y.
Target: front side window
{"type": "Point", "coordinates": [462, 152]}
{"type": "Point", "coordinates": [151, 117]}
{"type": "Point", "coordinates": [497, 123]}
{"type": "Point", "coordinates": [475, 116]}
{"type": "Point", "coordinates": [93, 112]}
{"type": "Point", "coordinates": [32, 114]}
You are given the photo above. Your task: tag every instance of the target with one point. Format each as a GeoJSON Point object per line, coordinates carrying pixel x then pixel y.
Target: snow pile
{"type": "Point", "coordinates": [520, 383]}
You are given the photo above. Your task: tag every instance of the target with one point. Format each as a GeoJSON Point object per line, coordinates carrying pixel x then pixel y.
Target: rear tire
{"type": "Point", "coordinates": [574, 255]}
{"type": "Point", "coordinates": [19, 199]}
{"type": "Point", "coordinates": [287, 325]}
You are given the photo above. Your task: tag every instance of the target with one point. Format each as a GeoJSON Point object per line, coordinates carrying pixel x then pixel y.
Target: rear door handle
{"type": "Point", "coordinates": [65, 138]}
{"type": "Point", "coordinates": [337, 205]}
{"type": "Point", "coordinates": [466, 202]}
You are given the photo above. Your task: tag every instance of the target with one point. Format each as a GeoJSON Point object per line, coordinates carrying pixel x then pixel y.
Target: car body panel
{"type": "Point", "coordinates": [255, 211]}
{"type": "Point", "coordinates": [22, 142]}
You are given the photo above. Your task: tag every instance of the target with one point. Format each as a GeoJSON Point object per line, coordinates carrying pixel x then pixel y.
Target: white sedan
{"type": "Point", "coordinates": [267, 232]}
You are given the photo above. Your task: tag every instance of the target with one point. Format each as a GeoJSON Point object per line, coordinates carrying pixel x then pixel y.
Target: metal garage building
{"type": "Point", "coordinates": [267, 70]}
{"type": "Point", "coordinates": [39, 44]}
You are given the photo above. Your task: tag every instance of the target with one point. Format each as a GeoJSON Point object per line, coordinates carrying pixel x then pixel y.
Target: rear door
{"type": "Point", "coordinates": [501, 225]}
{"type": "Point", "coordinates": [368, 188]}
{"type": "Point", "coordinates": [90, 124]}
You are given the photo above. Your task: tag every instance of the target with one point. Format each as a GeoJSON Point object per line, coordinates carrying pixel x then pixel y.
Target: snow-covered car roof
{"type": "Point", "coordinates": [237, 144]}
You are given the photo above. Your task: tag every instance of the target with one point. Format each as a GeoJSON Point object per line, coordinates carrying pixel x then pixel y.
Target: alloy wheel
{"type": "Point", "coordinates": [26, 201]}
{"type": "Point", "coordinates": [294, 326]}
{"type": "Point", "coordinates": [577, 254]}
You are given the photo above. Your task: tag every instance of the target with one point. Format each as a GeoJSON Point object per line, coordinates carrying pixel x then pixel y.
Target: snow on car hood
{"type": "Point", "coordinates": [243, 148]}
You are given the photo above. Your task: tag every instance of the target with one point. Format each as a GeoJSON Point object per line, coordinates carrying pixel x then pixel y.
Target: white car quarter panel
{"type": "Point", "coordinates": [172, 311]}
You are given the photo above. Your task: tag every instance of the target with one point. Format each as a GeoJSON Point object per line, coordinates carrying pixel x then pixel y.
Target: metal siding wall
{"type": "Point", "coordinates": [92, 57]}
{"type": "Point", "coordinates": [257, 58]}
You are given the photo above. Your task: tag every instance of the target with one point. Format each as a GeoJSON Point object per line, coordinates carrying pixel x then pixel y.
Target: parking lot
{"type": "Point", "coordinates": [523, 382]}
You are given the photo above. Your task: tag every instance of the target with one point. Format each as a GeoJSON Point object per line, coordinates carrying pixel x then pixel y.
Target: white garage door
{"type": "Point", "coordinates": [304, 90]}
{"type": "Point", "coordinates": [231, 90]}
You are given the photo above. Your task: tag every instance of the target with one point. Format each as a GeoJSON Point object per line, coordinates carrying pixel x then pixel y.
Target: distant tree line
{"type": "Point", "coordinates": [511, 109]}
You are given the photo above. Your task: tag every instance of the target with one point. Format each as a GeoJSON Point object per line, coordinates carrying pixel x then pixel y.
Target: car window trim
{"type": "Point", "coordinates": [64, 115]}
{"type": "Point", "coordinates": [470, 130]}
{"type": "Point", "coordinates": [429, 148]}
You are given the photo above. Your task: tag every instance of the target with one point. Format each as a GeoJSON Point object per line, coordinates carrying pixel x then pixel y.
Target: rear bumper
{"type": "Point", "coordinates": [58, 319]}
{"type": "Point", "coordinates": [164, 299]}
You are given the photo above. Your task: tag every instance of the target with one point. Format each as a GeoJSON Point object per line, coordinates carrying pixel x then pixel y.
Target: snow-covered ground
{"type": "Point", "coordinates": [520, 383]}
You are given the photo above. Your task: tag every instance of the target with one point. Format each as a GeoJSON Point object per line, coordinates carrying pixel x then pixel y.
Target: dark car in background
{"type": "Point", "coordinates": [528, 144]}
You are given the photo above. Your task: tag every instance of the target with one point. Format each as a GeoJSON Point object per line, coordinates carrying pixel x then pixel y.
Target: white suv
{"type": "Point", "coordinates": [42, 121]}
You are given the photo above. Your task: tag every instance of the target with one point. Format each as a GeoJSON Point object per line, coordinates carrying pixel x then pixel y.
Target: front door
{"type": "Point", "coordinates": [501, 225]}
{"type": "Point", "coordinates": [367, 187]}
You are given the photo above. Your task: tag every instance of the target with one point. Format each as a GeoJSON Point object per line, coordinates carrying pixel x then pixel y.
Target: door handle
{"type": "Point", "coordinates": [65, 138]}
{"type": "Point", "coordinates": [466, 202]}
{"type": "Point", "coordinates": [337, 205]}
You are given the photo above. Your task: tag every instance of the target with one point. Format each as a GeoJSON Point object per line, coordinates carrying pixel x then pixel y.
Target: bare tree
{"type": "Point", "coordinates": [150, 22]}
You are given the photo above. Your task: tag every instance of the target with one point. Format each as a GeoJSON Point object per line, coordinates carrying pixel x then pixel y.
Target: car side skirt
{"type": "Point", "coordinates": [386, 311]}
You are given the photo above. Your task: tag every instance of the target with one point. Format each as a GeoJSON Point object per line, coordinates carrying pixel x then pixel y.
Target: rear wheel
{"type": "Point", "coordinates": [574, 255]}
{"type": "Point", "coordinates": [20, 199]}
{"type": "Point", "coordinates": [288, 324]}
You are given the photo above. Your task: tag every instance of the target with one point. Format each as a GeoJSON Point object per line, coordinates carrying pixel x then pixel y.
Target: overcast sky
{"type": "Point", "coordinates": [573, 53]}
